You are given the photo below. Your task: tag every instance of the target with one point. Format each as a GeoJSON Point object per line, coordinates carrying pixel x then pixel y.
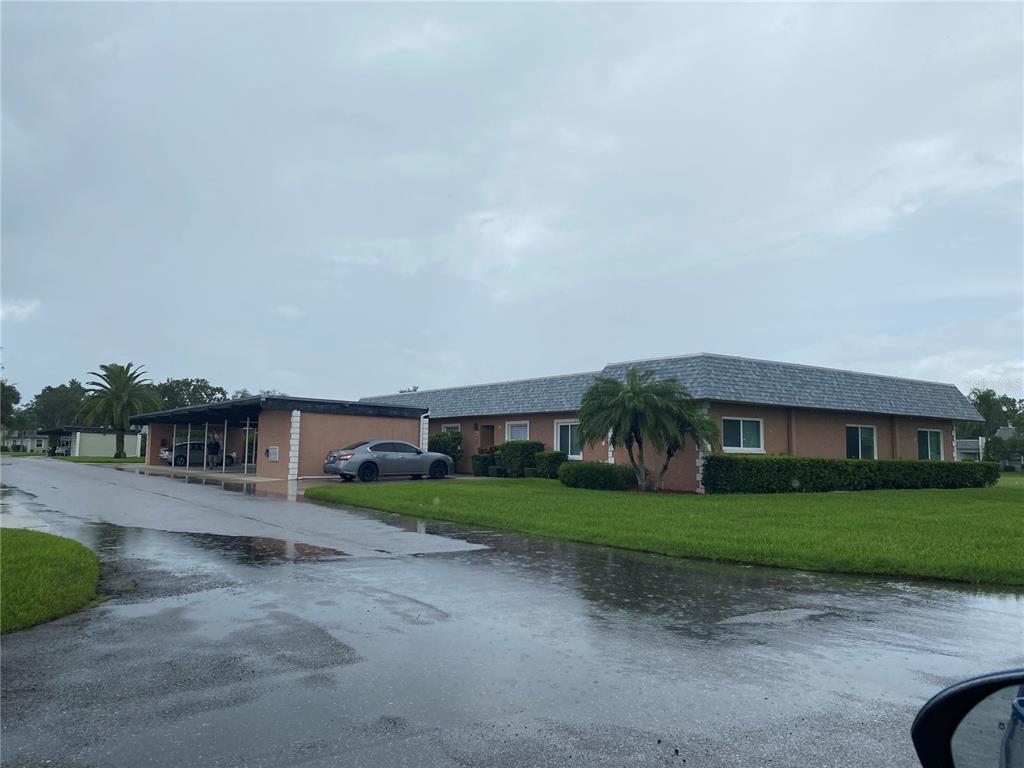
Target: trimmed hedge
{"type": "Point", "coordinates": [495, 471]}
{"type": "Point", "coordinates": [481, 463]}
{"type": "Point", "coordinates": [530, 472]}
{"type": "Point", "coordinates": [548, 463]}
{"type": "Point", "coordinates": [796, 474]}
{"type": "Point", "coordinates": [516, 455]}
{"type": "Point", "coordinates": [449, 443]}
{"type": "Point", "coordinates": [597, 476]}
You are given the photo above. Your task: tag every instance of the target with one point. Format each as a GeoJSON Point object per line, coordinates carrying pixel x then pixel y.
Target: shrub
{"type": "Point", "coordinates": [789, 474]}
{"type": "Point", "coordinates": [530, 472]}
{"type": "Point", "coordinates": [495, 471]}
{"type": "Point", "coordinates": [597, 475]}
{"type": "Point", "coordinates": [481, 463]}
{"type": "Point", "coordinates": [515, 455]}
{"type": "Point", "coordinates": [446, 442]}
{"type": "Point", "coordinates": [548, 463]}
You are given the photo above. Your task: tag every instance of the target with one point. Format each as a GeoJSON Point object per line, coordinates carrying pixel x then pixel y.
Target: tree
{"type": "Point", "coordinates": [238, 394]}
{"type": "Point", "coordinates": [9, 397]}
{"type": "Point", "coordinates": [58, 406]}
{"type": "Point", "coordinates": [997, 410]}
{"type": "Point", "coordinates": [638, 412]}
{"type": "Point", "coordinates": [178, 393]}
{"type": "Point", "coordinates": [117, 393]}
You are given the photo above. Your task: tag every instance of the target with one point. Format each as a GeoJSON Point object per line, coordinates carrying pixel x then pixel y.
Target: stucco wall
{"type": "Point", "coordinates": [273, 426]}
{"type": "Point", "coordinates": [95, 444]}
{"type": "Point", "coordinates": [323, 432]}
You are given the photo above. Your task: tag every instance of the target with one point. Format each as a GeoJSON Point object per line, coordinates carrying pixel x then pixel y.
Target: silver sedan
{"type": "Point", "coordinates": [370, 459]}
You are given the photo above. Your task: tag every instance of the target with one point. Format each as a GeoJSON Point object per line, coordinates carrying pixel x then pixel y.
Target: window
{"type": "Point", "coordinates": [567, 438]}
{"type": "Point", "coordinates": [929, 444]}
{"type": "Point", "coordinates": [860, 442]}
{"type": "Point", "coordinates": [517, 430]}
{"type": "Point", "coordinates": [403, 448]}
{"type": "Point", "coordinates": [742, 435]}
{"type": "Point", "coordinates": [383, 447]}
{"type": "Point", "coordinates": [451, 427]}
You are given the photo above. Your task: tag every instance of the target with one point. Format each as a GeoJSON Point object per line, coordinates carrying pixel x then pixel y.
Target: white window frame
{"type": "Point", "coordinates": [942, 446]}
{"type": "Point", "coordinates": [451, 428]}
{"type": "Point", "coordinates": [510, 424]}
{"type": "Point", "coordinates": [874, 440]}
{"type": "Point", "coordinates": [744, 449]}
{"type": "Point", "coordinates": [559, 423]}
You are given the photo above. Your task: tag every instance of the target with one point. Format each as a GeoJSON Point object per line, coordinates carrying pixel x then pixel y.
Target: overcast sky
{"type": "Point", "coordinates": [342, 200]}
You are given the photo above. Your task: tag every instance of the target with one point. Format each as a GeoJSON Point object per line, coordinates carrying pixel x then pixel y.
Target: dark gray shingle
{"type": "Point", "coordinates": [709, 377]}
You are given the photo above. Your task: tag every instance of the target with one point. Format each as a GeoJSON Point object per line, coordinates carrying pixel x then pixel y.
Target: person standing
{"type": "Point", "coordinates": [213, 451]}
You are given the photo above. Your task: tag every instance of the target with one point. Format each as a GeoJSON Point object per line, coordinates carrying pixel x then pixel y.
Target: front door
{"type": "Point", "coordinates": [486, 436]}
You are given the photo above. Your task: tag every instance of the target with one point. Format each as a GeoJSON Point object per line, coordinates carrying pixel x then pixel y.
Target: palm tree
{"type": "Point", "coordinates": [117, 393]}
{"type": "Point", "coordinates": [695, 424]}
{"type": "Point", "coordinates": [636, 412]}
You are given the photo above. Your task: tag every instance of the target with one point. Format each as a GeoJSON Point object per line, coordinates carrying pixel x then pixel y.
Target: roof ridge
{"type": "Point", "coordinates": [486, 384]}
{"type": "Point", "coordinates": [785, 363]}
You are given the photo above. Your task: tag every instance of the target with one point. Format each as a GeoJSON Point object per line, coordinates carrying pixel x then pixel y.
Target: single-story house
{"type": "Point", "coordinates": [92, 441]}
{"type": "Point", "coordinates": [760, 406]}
{"type": "Point", "coordinates": [22, 441]}
{"type": "Point", "coordinates": [280, 437]}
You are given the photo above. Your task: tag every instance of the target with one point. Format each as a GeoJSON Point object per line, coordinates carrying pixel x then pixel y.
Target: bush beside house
{"type": "Point", "coordinates": [481, 463]}
{"type": "Point", "coordinates": [597, 476]}
{"type": "Point", "coordinates": [449, 443]}
{"type": "Point", "coordinates": [514, 456]}
{"type": "Point", "coordinates": [794, 474]}
{"type": "Point", "coordinates": [548, 463]}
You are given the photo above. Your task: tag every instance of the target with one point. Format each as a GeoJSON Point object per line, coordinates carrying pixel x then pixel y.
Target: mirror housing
{"type": "Point", "coordinates": [934, 726]}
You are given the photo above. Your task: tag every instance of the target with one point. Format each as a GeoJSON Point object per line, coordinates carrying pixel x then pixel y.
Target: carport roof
{"type": "Point", "coordinates": [235, 412]}
{"type": "Point", "coordinates": [70, 430]}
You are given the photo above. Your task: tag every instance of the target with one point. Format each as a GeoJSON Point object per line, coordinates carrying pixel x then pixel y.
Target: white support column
{"type": "Point", "coordinates": [702, 451]}
{"type": "Point", "coordinates": [206, 445]}
{"type": "Point", "coordinates": [224, 448]}
{"type": "Point", "coordinates": [424, 431]}
{"type": "Point", "coordinates": [174, 442]}
{"type": "Point", "coordinates": [245, 448]}
{"type": "Point", "coordinates": [78, 444]}
{"type": "Point", "coordinates": [188, 447]}
{"type": "Point", "coordinates": [293, 446]}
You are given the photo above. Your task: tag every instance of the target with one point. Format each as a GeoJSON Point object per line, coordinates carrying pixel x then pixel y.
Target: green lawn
{"type": "Point", "coordinates": [972, 535]}
{"type": "Point", "coordinates": [102, 459]}
{"type": "Point", "coordinates": [43, 577]}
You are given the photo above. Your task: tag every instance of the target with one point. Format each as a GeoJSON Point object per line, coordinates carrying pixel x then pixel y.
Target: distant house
{"type": "Point", "coordinates": [760, 407]}
{"type": "Point", "coordinates": [1015, 461]}
{"type": "Point", "coordinates": [12, 440]}
{"type": "Point", "coordinates": [970, 448]}
{"type": "Point", "coordinates": [91, 441]}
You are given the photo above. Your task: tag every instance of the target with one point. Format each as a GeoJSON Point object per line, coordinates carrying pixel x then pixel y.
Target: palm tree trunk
{"type": "Point", "coordinates": [670, 452]}
{"type": "Point", "coordinates": [641, 473]}
{"type": "Point", "coordinates": [119, 444]}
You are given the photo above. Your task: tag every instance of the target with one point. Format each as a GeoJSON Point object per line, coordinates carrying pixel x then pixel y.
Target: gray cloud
{"type": "Point", "coordinates": [366, 197]}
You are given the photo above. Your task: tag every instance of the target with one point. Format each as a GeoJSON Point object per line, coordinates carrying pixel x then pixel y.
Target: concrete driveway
{"type": "Point", "coordinates": [254, 631]}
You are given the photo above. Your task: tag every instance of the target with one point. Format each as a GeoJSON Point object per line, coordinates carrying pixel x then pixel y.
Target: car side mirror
{"type": "Point", "coordinates": [977, 723]}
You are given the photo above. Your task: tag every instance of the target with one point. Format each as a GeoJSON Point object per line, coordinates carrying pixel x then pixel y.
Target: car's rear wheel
{"type": "Point", "coordinates": [438, 470]}
{"type": "Point", "coordinates": [179, 461]}
{"type": "Point", "coordinates": [368, 472]}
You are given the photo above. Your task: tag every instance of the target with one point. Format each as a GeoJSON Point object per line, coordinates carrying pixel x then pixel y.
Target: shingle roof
{"type": "Point", "coordinates": [710, 377]}
{"type": "Point", "coordinates": [545, 395]}
{"type": "Point", "coordinates": [764, 382]}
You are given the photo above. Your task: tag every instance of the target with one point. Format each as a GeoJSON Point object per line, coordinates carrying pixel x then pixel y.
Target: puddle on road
{"type": "Point", "coordinates": [109, 539]}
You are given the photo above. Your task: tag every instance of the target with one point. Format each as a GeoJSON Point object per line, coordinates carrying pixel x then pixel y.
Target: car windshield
{"type": "Point", "coordinates": [354, 445]}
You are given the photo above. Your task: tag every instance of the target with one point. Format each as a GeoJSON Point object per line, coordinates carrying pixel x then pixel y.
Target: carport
{"type": "Point", "coordinates": [276, 437]}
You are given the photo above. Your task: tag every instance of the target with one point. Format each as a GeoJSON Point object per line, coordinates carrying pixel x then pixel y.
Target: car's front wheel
{"type": "Point", "coordinates": [347, 478]}
{"type": "Point", "coordinates": [229, 460]}
{"type": "Point", "coordinates": [368, 472]}
{"type": "Point", "coordinates": [438, 470]}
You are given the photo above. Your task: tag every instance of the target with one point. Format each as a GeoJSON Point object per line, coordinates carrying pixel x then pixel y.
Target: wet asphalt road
{"type": "Point", "coordinates": [255, 631]}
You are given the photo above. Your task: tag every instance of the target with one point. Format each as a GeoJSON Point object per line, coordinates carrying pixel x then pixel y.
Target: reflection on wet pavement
{"type": "Point", "coordinates": [248, 650]}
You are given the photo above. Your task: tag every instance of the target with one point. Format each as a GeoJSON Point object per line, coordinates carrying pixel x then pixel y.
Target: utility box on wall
{"type": "Point", "coordinates": [273, 453]}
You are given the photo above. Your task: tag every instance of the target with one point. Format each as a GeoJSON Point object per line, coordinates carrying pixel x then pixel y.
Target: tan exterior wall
{"type": "Point", "coordinates": [160, 436]}
{"type": "Point", "coordinates": [323, 432]}
{"type": "Point", "coordinates": [541, 425]}
{"type": "Point", "coordinates": [274, 429]}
